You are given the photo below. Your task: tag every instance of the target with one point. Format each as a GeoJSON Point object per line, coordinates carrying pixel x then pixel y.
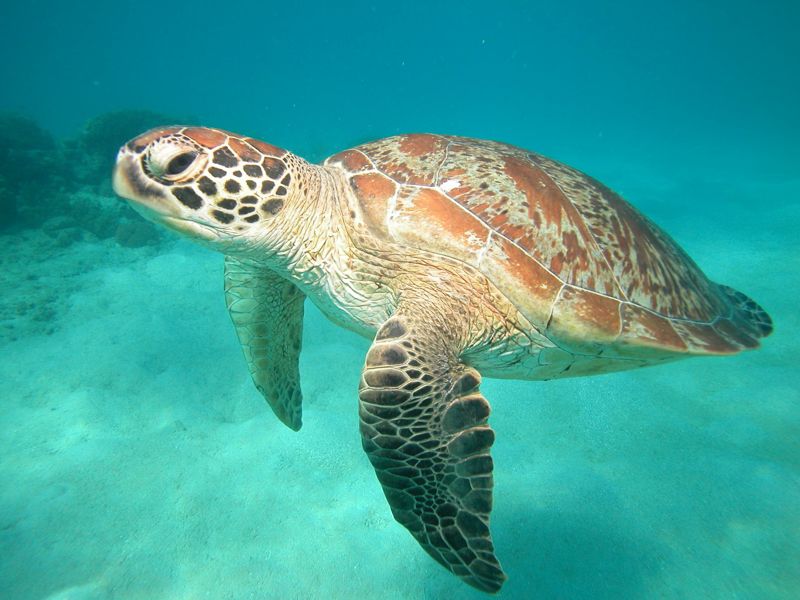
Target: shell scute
{"type": "Point", "coordinates": [704, 338]}
{"type": "Point", "coordinates": [208, 138]}
{"type": "Point", "coordinates": [352, 161]}
{"type": "Point", "coordinates": [265, 148]}
{"type": "Point", "coordinates": [532, 290]}
{"type": "Point", "coordinates": [641, 327]}
{"type": "Point", "coordinates": [460, 233]}
{"type": "Point", "coordinates": [583, 315]}
{"type": "Point", "coordinates": [245, 151]}
{"type": "Point", "coordinates": [408, 159]}
{"type": "Point", "coordinates": [377, 192]}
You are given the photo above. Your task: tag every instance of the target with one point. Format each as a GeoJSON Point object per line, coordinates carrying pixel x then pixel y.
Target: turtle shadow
{"type": "Point", "coordinates": [575, 555]}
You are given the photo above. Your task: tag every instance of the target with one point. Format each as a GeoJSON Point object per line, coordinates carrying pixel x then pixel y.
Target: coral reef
{"type": "Point", "coordinates": [64, 187]}
{"type": "Point", "coordinates": [28, 167]}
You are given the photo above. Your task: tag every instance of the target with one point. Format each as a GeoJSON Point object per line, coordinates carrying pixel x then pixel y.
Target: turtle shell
{"type": "Point", "coordinates": [578, 261]}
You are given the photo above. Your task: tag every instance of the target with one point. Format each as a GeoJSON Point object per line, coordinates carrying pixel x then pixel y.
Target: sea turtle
{"type": "Point", "coordinates": [457, 257]}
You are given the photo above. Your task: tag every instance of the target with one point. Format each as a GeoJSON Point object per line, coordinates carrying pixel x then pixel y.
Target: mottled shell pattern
{"type": "Point", "coordinates": [578, 261]}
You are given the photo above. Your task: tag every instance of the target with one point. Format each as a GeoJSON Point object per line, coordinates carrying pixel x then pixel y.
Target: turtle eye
{"type": "Point", "coordinates": [180, 163]}
{"type": "Point", "coordinates": [170, 160]}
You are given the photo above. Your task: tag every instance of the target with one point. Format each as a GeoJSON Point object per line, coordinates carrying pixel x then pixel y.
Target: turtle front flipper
{"type": "Point", "coordinates": [423, 426]}
{"type": "Point", "coordinates": [267, 311]}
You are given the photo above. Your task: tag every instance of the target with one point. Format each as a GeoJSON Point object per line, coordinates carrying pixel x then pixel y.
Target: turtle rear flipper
{"type": "Point", "coordinates": [423, 426]}
{"type": "Point", "coordinates": [748, 314]}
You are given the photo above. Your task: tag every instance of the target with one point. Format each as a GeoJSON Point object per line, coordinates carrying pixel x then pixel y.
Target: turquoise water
{"type": "Point", "coordinates": [138, 461]}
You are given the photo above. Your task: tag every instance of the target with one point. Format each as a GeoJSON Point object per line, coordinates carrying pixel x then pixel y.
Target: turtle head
{"type": "Point", "coordinates": [220, 188]}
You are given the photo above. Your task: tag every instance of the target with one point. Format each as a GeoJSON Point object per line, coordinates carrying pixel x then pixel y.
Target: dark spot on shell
{"type": "Point", "coordinates": [393, 328]}
{"type": "Point", "coordinates": [221, 216]}
{"type": "Point", "coordinates": [273, 167]}
{"type": "Point", "coordinates": [385, 377]}
{"type": "Point", "coordinates": [464, 413]}
{"type": "Point", "coordinates": [207, 186]}
{"type": "Point", "coordinates": [227, 203]}
{"type": "Point", "coordinates": [188, 197]}
{"type": "Point", "coordinates": [266, 186]}
{"type": "Point", "coordinates": [387, 354]}
{"type": "Point", "coordinates": [252, 218]}
{"type": "Point", "coordinates": [466, 383]}
{"type": "Point", "coordinates": [249, 200]}
{"type": "Point", "coordinates": [253, 170]}
{"type": "Point", "coordinates": [232, 186]}
{"type": "Point", "coordinates": [383, 397]}
{"type": "Point", "coordinates": [471, 441]}
{"type": "Point", "coordinates": [246, 210]}
{"type": "Point", "coordinates": [281, 191]}
{"type": "Point", "coordinates": [225, 158]}
{"type": "Point", "coordinates": [273, 206]}
{"type": "Point", "coordinates": [216, 172]}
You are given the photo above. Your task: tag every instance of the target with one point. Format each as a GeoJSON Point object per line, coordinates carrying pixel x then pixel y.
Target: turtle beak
{"type": "Point", "coordinates": [121, 183]}
{"type": "Point", "coordinates": [149, 200]}
{"type": "Point", "coordinates": [131, 183]}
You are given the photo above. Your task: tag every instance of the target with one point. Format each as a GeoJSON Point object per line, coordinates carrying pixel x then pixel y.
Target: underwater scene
{"type": "Point", "coordinates": [152, 311]}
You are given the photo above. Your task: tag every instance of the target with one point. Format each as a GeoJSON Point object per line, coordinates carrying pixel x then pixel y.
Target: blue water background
{"type": "Point", "coordinates": [137, 460]}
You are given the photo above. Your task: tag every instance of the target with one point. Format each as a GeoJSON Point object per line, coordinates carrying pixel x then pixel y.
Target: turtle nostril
{"type": "Point", "coordinates": [180, 163]}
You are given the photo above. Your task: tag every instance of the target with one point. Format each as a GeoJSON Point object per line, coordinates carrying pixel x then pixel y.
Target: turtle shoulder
{"type": "Point", "coordinates": [573, 256]}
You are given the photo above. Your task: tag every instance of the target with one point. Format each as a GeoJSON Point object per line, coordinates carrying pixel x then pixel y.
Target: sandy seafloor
{"type": "Point", "coordinates": [138, 461]}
